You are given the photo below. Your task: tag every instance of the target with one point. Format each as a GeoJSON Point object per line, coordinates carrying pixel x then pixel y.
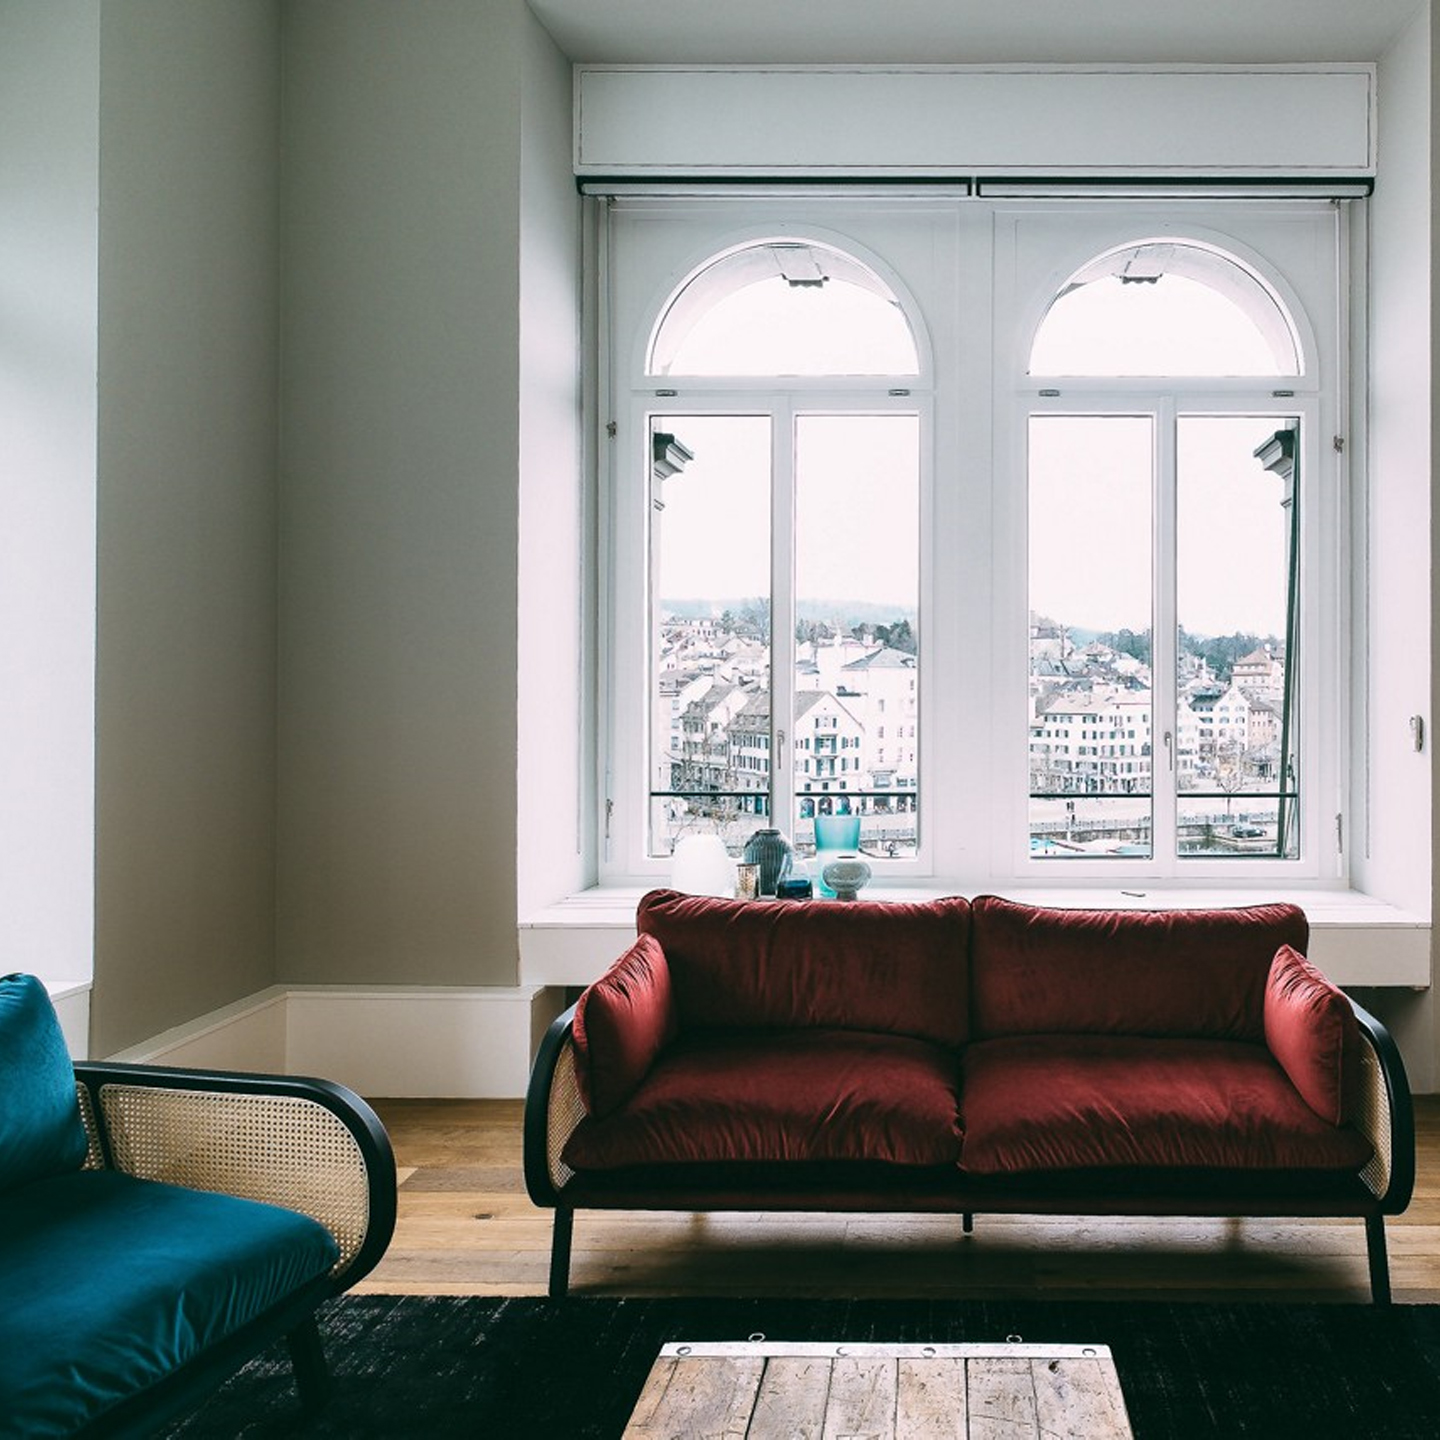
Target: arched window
{"type": "Point", "coordinates": [1164, 562]}
{"type": "Point", "coordinates": [783, 465]}
{"type": "Point", "coordinates": [783, 307]}
{"type": "Point", "coordinates": [1006, 533]}
{"type": "Point", "coordinates": [1166, 307]}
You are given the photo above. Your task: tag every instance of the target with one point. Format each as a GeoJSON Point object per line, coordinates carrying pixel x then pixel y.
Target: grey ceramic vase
{"type": "Point", "coordinates": [847, 875]}
{"type": "Point", "coordinates": [775, 856]}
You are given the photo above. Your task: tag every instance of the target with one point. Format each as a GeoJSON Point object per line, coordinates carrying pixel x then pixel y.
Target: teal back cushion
{"type": "Point", "coordinates": [41, 1132]}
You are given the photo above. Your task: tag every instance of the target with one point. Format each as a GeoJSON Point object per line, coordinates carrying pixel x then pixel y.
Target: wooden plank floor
{"type": "Point", "coordinates": [466, 1227]}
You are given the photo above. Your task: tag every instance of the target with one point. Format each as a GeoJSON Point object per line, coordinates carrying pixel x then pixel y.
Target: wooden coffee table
{"type": "Point", "coordinates": [765, 1391]}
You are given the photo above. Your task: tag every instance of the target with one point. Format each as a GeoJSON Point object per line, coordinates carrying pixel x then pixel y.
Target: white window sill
{"type": "Point", "coordinates": [1355, 939]}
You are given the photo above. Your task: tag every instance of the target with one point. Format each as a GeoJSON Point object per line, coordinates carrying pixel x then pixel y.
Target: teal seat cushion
{"type": "Point", "coordinates": [111, 1283]}
{"type": "Point", "coordinates": [41, 1132]}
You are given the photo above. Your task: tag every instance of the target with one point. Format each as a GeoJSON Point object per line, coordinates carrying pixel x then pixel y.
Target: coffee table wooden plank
{"type": "Point", "coordinates": [862, 1397]}
{"type": "Point", "coordinates": [642, 1417]}
{"type": "Point", "coordinates": [1002, 1399]}
{"type": "Point", "coordinates": [1076, 1400]}
{"type": "Point", "coordinates": [836, 1391]}
{"type": "Point", "coordinates": [698, 1398]}
{"type": "Point", "coordinates": [930, 1400]}
{"type": "Point", "coordinates": [792, 1399]}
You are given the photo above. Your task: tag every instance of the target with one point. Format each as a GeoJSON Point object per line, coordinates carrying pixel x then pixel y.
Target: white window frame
{"type": "Point", "coordinates": [974, 313]}
{"type": "Point", "coordinates": [1063, 238]}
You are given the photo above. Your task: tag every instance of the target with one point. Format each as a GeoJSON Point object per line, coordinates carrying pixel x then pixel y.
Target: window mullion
{"type": "Point", "coordinates": [1164, 659]}
{"type": "Point", "coordinates": [782, 617]}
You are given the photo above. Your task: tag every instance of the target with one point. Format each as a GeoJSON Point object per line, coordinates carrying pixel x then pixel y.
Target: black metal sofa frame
{"type": "Point", "coordinates": [553, 1107]}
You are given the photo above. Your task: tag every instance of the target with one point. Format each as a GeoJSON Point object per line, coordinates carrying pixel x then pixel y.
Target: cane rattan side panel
{"type": "Point", "coordinates": [1372, 1119]}
{"type": "Point", "coordinates": [277, 1148]}
{"type": "Point", "coordinates": [566, 1111]}
{"type": "Point", "coordinates": [94, 1154]}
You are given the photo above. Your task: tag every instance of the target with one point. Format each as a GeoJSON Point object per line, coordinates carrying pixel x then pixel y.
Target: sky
{"type": "Point", "coordinates": [716, 524]}
{"type": "Point", "coordinates": [1091, 521]}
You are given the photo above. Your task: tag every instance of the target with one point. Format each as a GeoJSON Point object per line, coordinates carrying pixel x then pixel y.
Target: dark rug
{"type": "Point", "coordinates": [435, 1366]}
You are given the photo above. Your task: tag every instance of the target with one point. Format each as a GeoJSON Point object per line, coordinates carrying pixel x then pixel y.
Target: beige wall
{"type": "Point", "coordinates": [399, 492]}
{"type": "Point", "coordinates": [49, 178]}
{"type": "Point", "coordinates": [555, 818]}
{"type": "Point", "coordinates": [185, 474]}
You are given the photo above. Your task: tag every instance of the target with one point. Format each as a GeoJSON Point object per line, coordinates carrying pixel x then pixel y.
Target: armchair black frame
{"type": "Point", "coordinates": [294, 1317]}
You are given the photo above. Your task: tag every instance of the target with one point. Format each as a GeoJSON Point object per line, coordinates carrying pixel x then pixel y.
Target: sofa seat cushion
{"type": "Point", "coordinates": [802, 1095]}
{"type": "Point", "coordinates": [1067, 1102]}
{"type": "Point", "coordinates": [111, 1283]}
{"type": "Point", "coordinates": [1199, 973]}
{"type": "Point", "coordinates": [896, 968]}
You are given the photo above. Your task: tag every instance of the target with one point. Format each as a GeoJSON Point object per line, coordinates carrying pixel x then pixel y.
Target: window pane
{"type": "Point", "coordinates": [710, 626]}
{"type": "Point", "coordinates": [785, 307]}
{"type": "Point", "coordinates": [1165, 308]}
{"type": "Point", "coordinates": [856, 739]}
{"type": "Point", "coordinates": [1091, 481]}
{"type": "Point", "coordinates": [1235, 595]}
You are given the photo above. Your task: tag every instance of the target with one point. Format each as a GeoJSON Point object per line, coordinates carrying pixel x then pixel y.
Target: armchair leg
{"type": "Point", "coordinates": [307, 1356]}
{"type": "Point", "coordinates": [967, 1222]}
{"type": "Point", "coordinates": [1379, 1259]}
{"type": "Point", "coordinates": [560, 1252]}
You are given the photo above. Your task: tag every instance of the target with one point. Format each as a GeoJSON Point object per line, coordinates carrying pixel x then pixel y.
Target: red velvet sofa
{"type": "Point", "coordinates": [968, 1057]}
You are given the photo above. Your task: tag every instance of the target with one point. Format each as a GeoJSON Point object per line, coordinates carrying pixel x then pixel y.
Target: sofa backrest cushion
{"type": "Point", "coordinates": [41, 1132]}
{"type": "Point", "coordinates": [622, 1022]}
{"type": "Point", "coordinates": [1312, 1031]}
{"type": "Point", "coordinates": [1197, 973]}
{"type": "Point", "coordinates": [894, 968]}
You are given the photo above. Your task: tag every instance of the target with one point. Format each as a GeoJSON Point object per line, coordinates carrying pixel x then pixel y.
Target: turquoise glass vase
{"type": "Point", "coordinates": [834, 835]}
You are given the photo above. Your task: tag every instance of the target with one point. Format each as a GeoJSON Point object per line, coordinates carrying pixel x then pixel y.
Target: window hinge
{"type": "Point", "coordinates": [1340, 834]}
{"type": "Point", "coordinates": [609, 816]}
{"type": "Point", "coordinates": [611, 428]}
{"type": "Point", "coordinates": [1339, 444]}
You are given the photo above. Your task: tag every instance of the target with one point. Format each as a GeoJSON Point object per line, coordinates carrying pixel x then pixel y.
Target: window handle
{"type": "Point", "coordinates": [1169, 750]}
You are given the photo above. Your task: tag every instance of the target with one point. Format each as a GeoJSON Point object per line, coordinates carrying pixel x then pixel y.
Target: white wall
{"type": "Point", "coordinates": [1391, 859]}
{"type": "Point", "coordinates": [1391, 855]}
{"type": "Point", "coordinates": [554, 811]}
{"type": "Point", "coordinates": [49, 169]}
{"type": "Point", "coordinates": [189, 125]}
{"type": "Point", "coordinates": [399, 492]}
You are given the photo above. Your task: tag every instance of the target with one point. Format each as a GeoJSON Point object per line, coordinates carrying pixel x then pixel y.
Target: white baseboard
{"type": "Point", "coordinates": [394, 1042]}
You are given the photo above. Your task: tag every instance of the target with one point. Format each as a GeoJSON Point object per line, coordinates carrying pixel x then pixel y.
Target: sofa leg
{"type": "Point", "coordinates": [560, 1252]}
{"type": "Point", "coordinates": [1379, 1260]}
{"type": "Point", "coordinates": [967, 1222]}
{"type": "Point", "coordinates": [307, 1356]}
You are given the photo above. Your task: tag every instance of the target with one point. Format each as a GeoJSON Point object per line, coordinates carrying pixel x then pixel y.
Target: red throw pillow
{"type": "Point", "coordinates": [622, 1022]}
{"type": "Point", "coordinates": [1312, 1031]}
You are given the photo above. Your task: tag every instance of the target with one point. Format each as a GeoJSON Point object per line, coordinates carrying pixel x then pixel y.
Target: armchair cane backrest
{"type": "Point", "coordinates": [276, 1148]}
{"type": "Point", "coordinates": [1372, 1119]}
{"type": "Point", "coordinates": [95, 1152]}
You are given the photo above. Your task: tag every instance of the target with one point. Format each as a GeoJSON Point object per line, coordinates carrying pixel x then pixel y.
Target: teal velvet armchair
{"type": "Point", "coordinates": [159, 1227]}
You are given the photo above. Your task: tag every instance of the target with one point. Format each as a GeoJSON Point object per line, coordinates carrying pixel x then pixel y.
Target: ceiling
{"type": "Point", "coordinates": [975, 31]}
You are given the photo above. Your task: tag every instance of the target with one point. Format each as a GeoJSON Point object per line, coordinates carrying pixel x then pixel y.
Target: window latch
{"type": "Point", "coordinates": [1169, 739]}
